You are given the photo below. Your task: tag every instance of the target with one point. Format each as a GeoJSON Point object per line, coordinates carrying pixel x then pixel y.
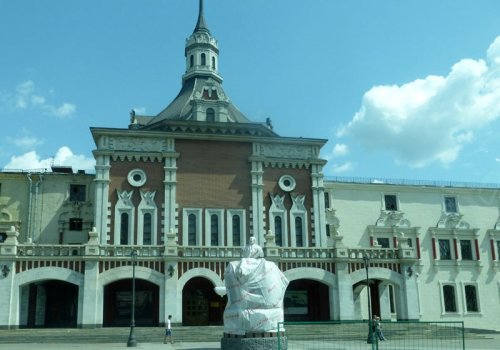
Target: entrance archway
{"type": "Point", "coordinates": [201, 306]}
{"type": "Point", "coordinates": [52, 304]}
{"type": "Point", "coordinates": [306, 300]}
{"type": "Point", "coordinates": [118, 303]}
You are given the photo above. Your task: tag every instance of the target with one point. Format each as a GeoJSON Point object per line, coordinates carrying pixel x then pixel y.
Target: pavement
{"type": "Point", "coordinates": [488, 342]}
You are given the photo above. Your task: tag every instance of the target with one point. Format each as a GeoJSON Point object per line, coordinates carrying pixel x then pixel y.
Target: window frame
{"type": "Point", "coordinates": [464, 298]}
{"type": "Point", "coordinates": [81, 192]}
{"type": "Point", "coordinates": [442, 286]}
{"type": "Point", "coordinates": [219, 213]}
{"type": "Point", "coordinates": [197, 212]}
{"type": "Point", "coordinates": [385, 203]}
{"type": "Point", "coordinates": [230, 213]}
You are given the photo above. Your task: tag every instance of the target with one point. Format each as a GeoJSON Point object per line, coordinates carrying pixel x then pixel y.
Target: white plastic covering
{"type": "Point", "coordinates": [255, 289]}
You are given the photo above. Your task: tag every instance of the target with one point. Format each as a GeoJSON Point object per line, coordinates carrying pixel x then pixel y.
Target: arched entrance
{"type": "Point", "coordinates": [383, 299]}
{"type": "Point", "coordinates": [201, 306]}
{"type": "Point", "coordinates": [306, 300]}
{"type": "Point", "coordinates": [118, 303]}
{"type": "Point", "coordinates": [52, 304]}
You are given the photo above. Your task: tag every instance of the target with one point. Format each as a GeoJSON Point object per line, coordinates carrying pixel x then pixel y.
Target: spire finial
{"type": "Point", "coordinates": [200, 25]}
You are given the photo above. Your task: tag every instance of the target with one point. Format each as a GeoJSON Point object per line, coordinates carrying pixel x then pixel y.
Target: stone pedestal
{"type": "Point", "coordinates": [258, 343]}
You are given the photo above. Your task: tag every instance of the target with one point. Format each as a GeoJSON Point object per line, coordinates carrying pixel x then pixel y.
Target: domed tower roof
{"type": "Point", "coordinates": [202, 98]}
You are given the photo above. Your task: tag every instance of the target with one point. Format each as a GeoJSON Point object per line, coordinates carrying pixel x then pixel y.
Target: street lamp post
{"type": "Point", "coordinates": [366, 259]}
{"type": "Point", "coordinates": [131, 338]}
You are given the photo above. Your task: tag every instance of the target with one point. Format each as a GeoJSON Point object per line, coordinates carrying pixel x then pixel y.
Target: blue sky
{"type": "Point", "coordinates": [401, 89]}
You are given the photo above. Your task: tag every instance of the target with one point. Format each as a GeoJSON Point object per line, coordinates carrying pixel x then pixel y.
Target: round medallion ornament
{"type": "Point", "coordinates": [136, 177]}
{"type": "Point", "coordinates": [287, 183]}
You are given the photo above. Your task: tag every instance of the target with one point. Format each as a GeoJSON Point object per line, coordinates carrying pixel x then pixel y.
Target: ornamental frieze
{"type": "Point", "coordinates": [137, 144]}
{"type": "Point", "coordinates": [285, 151]}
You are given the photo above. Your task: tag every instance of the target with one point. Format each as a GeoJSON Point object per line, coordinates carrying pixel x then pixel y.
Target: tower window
{"type": "Point", "coordinates": [213, 63]}
{"type": "Point", "coordinates": [327, 200]}
{"type": "Point", "coordinates": [210, 115]}
{"type": "Point", "coordinates": [191, 61]}
{"type": "Point", "coordinates": [203, 59]}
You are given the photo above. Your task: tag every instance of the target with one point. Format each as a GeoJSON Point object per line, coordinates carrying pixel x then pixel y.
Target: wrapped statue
{"type": "Point", "coordinates": [255, 289]}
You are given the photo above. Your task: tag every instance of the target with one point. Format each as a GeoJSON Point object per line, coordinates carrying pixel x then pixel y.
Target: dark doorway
{"type": "Point", "coordinates": [52, 304]}
{"type": "Point", "coordinates": [118, 304]}
{"type": "Point", "coordinates": [201, 306]}
{"type": "Point", "coordinates": [307, 300]}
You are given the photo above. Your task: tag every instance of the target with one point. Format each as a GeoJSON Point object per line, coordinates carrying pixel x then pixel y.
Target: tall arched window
{"type": "Point", "coordinates": [214, 230]}
{"type": "Point", "coordinates": [236, 230]}
{"type": "Point", "coordinates": [146, 229]}
{"type": "Point", "coordinates": [210, 115]}
{"type": "Point", "coordinates": [124, 228]}
{"type": "Point", "coordinates": [191, 61]}
{"type": "Point", "coordinates": [299, 241]}
{"type": "Point", "coordinates": [450, 304]}
{"type": "Point", "coordinates": [278, 232]}
{"type": "Point", "coordinates": [213, 63]}
{"type": "Point", "coordinates": [192, 229]}
{"type": "Point", "coordinates": [203, 59]}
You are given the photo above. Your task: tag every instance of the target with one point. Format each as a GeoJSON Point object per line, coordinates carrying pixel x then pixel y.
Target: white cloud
{"type": "Point", "coordinates": [25, 98]}
{"type": "Point", "coordinates": [340, 149]}
{"type": "Point", "coordinates": [342, 168]}
{"type": "Point", "coordinates": [140, 110]}
{"type": "Point", "coordinates": [430, 120]}
{"type": "Point", "coordinates": [63, 157]}
{"type": "Point", "coordinates": [26, 141]}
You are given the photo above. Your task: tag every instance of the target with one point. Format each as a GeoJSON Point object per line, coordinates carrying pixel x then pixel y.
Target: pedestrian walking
{"type": "Point", "coordinates": [168, 331]}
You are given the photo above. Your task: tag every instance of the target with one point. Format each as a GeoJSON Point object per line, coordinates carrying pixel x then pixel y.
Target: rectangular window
{"type": "Point", "coordinates": [75, 224]}
{"type": "Point", "coordinates": [77, 193]}
{"type": "Point", "coordinates": [383, 242]}
{"type": "Point", "coordinates": [450, 204]}
{"type": "Point", "coordinates": [392, 304]}
{"type": "Point", "coordinates": [391, 202]}
{"type": "Point", "coordinates": [471, 299]}
{"type": "Point", "coordinates": [466, 249]}
{"type": "Point", "coordinates": [3, 237]}
{"type": "Point", "coordinates": [498, 250]}
{"type": "Point", "coordinates": [444, 249]}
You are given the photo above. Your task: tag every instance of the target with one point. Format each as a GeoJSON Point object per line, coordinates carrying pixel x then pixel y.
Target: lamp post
{"type": "Point", "coordinates": [366, 260]}
{"type": "Point", "coordinates": [131, 338]}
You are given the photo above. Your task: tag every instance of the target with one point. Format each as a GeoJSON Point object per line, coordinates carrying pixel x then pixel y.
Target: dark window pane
{"type": "Point", "coordinates": [327, 200]}
{"type": "Point", "coordinates": [124, 228]}
{"type": "Point", "coordinates": [213, 62]}
{"type": "Point", "coordinates": [191, 61]}
{"type": "Point", "coordinates": [299, 240]}
{"type": "Point", "coordinates": [391, 202]}
{"type": "Point", "coordinates": [77, 193]}
{"type": "Point", "coordinates": [383, 242]}
{"type": "Point", "coordinates": [203, 59]}
{"type": "Point", "coordinates": [450, 304]}
{"type": "Point", "coordinates": [236, 230]}
{"type": "Point", "coordinates": [498, 250]}
{"type": "Point", "coordinates": [466, 249]}
{"type": "Point", "coordinates": [391, 299]}
{"type": "Point", "coordinates": [214, 230]}
{"type": "Point", "coordinates": [210, 115]}
{"type": "Point", "coordinates": [471, 299]}
{"type": "Point", "coordinates": [444, 249]}
{"type": "Point", "coordinates": [75, 224]}
{"type": "Point", "coordinates": [192, 229]}
{"type": "Point", "coordinates": [278, 234]}
{"type": "Point", "coordinates": [146, 229]}
{"type": "Point", "coordinates": [450, 204]}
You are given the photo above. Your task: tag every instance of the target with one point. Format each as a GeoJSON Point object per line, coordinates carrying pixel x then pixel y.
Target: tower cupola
{"type": "Point", "coordinates": [202, 53]}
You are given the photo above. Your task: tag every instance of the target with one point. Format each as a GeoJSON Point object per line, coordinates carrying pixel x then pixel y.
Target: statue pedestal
{"type": "Point", "coordinates": [260, 341]}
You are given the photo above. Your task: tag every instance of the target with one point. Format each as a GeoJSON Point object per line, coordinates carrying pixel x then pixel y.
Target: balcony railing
{"type": "Point", "coordinates": [50, 250]}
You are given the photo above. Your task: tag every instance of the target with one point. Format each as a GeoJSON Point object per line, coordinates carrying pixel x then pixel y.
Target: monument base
{"type": "Point", "coordinates": [255, 343]}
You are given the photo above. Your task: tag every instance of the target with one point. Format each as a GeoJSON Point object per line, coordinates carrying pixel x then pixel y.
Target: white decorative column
{"type": "Point", "coordinates": [173, 295]}
{"type": "Point", "coordinates": [257, 212]}
{"type": "Point", "coordinates": [87, 299]}
{"type": "Point", "coordinates": [344, 303]}
{"type": "Point", "coordinates": [318, 190]}
{"type": "Point", "coordinates": [101, 207]}
{"type": "Point", "coordinates": [8, 309]}
{"type": "Point", "coordinates": [170, 190]}
{"type": "Point", "coordinates": [410, 305]}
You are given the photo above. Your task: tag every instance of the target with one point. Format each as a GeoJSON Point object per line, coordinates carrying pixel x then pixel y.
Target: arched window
{"type": "Point", "coordinates": [278, 232]}
{"type": "Point", "coordinates": [299, 241]}
{"type": "Point", "coordinates": [210, 115]}
{"type": "Point", "coordinates": [471, 299]}
{"type": "Point", "coordinates": [213, 63]}
{"type": "Point", "coordinates": [236, 230]}
{"type": "Point", "coordinates": [203, 59]}
{"type": "Point", "coordinates": [146, 229]}
{"type": "Point", "coordinates": [124, 228]}
{"type": "Point", "coordinates": [450, 304]}
{"type": "Point", "coordinates": [214, 230]}
{"type": "Point", "coordinates": [191, 61]}
{"type": "Point", "coordinates": [192, 229]}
